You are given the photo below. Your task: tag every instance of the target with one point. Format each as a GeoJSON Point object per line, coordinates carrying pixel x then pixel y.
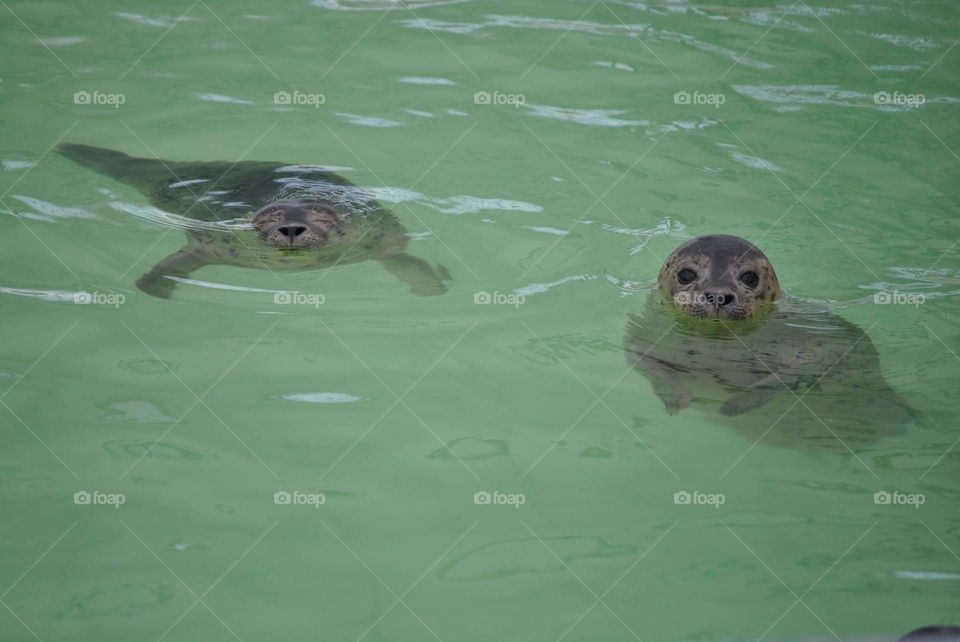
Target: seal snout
{"type": "Point", "coordinates": [298, 225]}
{"type": "Point", "coordinates": [293, 233]}
{"type": "Point", "coordinates": [292, 230]}
{"type": "Point", "coordinates": [715, 304]}
{"type": "Point", "coordinates": [719, 299]}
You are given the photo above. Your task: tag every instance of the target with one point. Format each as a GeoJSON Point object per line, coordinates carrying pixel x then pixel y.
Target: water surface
{"type": "Point", "coordinates": [554, 151]}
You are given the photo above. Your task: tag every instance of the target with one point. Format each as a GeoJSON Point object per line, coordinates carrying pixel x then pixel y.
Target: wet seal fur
{"type": "Point", "coordinates": [303, 217]}
{"type": "Point", "coordinates": [719, 333]}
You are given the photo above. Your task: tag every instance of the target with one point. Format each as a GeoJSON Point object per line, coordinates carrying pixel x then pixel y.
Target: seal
{"type": "Point", "coordinates": [264, 215]}
{"type": "Point", "coordinates": [719, 333]}
{"type": "Point", "coordinates": [933, 634]}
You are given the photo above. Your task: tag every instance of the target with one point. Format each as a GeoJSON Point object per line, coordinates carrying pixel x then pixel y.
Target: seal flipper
{"type": "Point", "coordinates": [674, 395]}
{"type": "Point", "coordinates": [665, 381]}
{"type": "Point", "coordinates": [180, 263]}
{"type": "Point", "coordinates": [417, 273]}
{"type": "Point", "coordinates": [748, 400]}
{"type": "Point", "coordinates": [761, 392]}
{"type": "Point", "coordinates": [119, 166]}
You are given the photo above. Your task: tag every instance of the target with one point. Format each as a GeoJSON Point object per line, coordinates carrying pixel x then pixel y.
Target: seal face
{"type": "Point", "coordinates": [719, 277]}
{"type": "Point", "coordinates": [296, 225]}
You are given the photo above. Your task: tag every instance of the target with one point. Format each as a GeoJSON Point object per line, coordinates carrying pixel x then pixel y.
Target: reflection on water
{"type": "Point", "coordinates": [502, 559]}
{"type": "Point", "coordinates": [471, 448]}
{"type": "Point", "coordinates": [135, 410]}
{"type": "Point", "coordinates": [114, 600]}
{"type": "Point", "coordinates": [135, 449]}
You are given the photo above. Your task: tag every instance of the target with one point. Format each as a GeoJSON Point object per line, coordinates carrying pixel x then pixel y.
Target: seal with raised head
{"type": "Point", "coordinates": [720, 334]}
{"type": "Point", "coordinates": [263, 215]}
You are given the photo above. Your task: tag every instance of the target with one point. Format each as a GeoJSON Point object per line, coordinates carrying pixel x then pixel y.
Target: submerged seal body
{"type": "Point", "coordinates": [719, 334]}
{"type": "Point", "coordinates": [293, 217]}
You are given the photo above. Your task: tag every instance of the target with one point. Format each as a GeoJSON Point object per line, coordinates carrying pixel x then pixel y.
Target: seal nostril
{"type": "Point", "coordinates": [719, 299]}
{"type": "Point", "coordinates": [293, 230]}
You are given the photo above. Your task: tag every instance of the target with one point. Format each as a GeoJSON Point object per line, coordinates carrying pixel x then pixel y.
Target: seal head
{"type": "Point", "coordinates": [296, 225]}
{"type": "Point", "coordinates": [719, 277]}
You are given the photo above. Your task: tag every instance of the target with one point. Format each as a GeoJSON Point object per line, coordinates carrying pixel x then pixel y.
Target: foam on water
{"type": "Point", "coordinates": [451, 205]}
{"type": "Point", "coordinates": [321, 397]}
{"type": "Point", "coordinates": [381, 5]}
{"type": "Point", "coordinates": [426, 80]}
{"type": "Point", "coordinates": [540, 288]}
{"type": "Point", "coordinates": [49, 211]}
{"type": "Point", "coordinates": [220, 98]}
{"type": "Point", "coordinates": [598, 117]}
{"type": "Point", "coordinates": [164, 22]}
{"type": "Point", "coordinates": [16, 165]}
{"type": "Point", "coordinates": [582, 26]}
{"type": "Point", "coordinates": [546, 230]}
{"type": "Point", "coordinates": [368, 121]}
{"type": "Point", "coordinates": [52, 296]}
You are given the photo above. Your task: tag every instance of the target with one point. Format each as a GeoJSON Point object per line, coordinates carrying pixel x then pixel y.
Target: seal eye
{"type": "Point", "coordinates": [263, 219]}
{"type": "Point", "coordinates": [686, 275]}
{"type": "Point", "coordinates": [750, 279]}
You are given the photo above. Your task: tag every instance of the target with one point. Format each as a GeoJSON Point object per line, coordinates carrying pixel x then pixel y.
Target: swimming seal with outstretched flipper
{"type": "Point", "coordinates": [299, 217]}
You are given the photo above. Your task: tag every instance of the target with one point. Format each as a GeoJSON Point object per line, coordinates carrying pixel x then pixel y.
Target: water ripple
{"type": "Point", "coordinates": [381, 5]}
{"type": "Point", "coordinates": [582, 26]}
{"type": "Point", "coordinates": [166, 219]}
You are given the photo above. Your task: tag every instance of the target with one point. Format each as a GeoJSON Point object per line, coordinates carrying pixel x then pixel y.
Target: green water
{"type": "Point", "coordinates": [398, 409]}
